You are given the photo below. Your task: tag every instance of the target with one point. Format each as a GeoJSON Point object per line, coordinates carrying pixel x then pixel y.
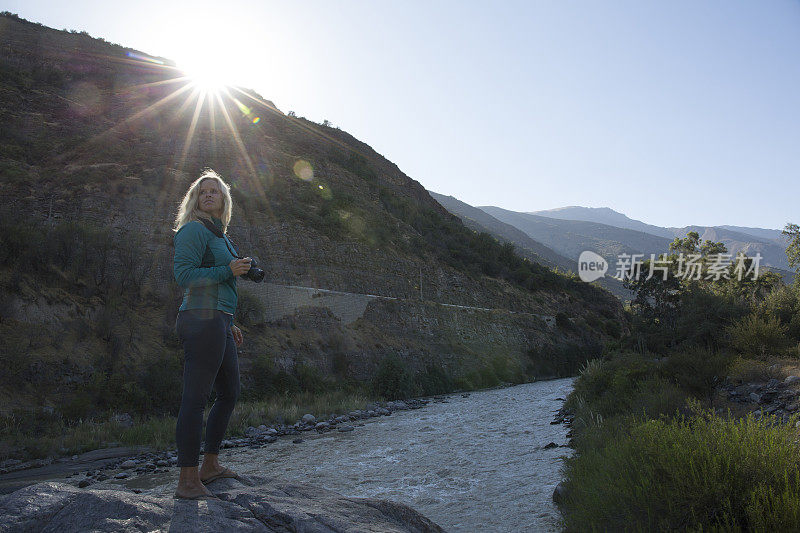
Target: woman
{"type": "Point", "coordinates": [206, 267]}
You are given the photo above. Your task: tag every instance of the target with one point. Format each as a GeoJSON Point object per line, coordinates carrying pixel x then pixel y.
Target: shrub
{"type": "Point", "coordinates": [563, 321]}
{"type": "Point", "coordinates": [776, 508]}
{"type": "Point", "coordinates": [696, 370]}
{"type": "Point", "coordinates": [77, 407]}
{"type": "Point", "coordinates": [560, 361]}
{"type": "Point", "coordinates": [162, 385]}
{"type": "Point", "coordinates": [784, 303]}
{"type": "Point", "coordinates": [250, 310]}
{"type": "Point", "coordinates": [747, 370]}
{"type": "Point", "coordinates": [434, 380]}
{"type": "Point", "coordinates": [754, 336]}
{"type": "Point", "coordinates": [607, 386]}
{"type": "Point", "coordinates": [704, 472]}
{"type": "Point", "coordinates": [392, 379]}
{"type": "Point", "coordinates": [309, 379]}
{"type": "Point", "coordinates": [655, 397]}
{"type": "Point", "coordinates": [267, 382]}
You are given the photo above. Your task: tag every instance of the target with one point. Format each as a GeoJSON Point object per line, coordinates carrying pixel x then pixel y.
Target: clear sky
{"type": "Point", "coordinates": [674, 113]}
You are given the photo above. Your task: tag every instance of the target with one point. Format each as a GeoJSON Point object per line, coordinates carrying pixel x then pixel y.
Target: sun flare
{"type": "Point", "coordinates": [213, 64]}
{"type": "Point", "coordinates": [208, 76]}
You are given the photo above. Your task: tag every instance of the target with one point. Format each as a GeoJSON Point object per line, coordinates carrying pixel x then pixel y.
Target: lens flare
{"type": "Point", "coordinates": [303, 170]}
{"type": "Point", "coordinates": [140, 57]}
{"type": "Point", "coordinates": [256, 120]}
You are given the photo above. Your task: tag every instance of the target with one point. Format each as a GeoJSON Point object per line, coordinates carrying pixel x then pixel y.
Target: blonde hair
{"type": "Point", "coordinates": [188, 210]}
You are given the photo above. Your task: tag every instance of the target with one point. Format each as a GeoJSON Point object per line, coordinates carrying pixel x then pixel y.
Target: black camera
{"type": "Point", "coordinates": [254, 274]}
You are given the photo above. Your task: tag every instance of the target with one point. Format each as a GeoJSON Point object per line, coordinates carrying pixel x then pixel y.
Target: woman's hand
{"type": "Point", "coordinates": [237, 335]}
{"type": "Point", "coordinates": [240, 266]}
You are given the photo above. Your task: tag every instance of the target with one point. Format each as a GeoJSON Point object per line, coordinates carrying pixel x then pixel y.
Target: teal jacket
{"type": "Point", "coordinates": [202, 268]}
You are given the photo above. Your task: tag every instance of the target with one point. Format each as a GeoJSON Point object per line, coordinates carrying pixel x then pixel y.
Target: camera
{"type": "Point", "coordinates": [255, 274]}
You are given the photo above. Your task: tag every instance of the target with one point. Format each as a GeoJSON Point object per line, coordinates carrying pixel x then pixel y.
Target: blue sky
{"type": "Point", "coordinates": [673, 113]}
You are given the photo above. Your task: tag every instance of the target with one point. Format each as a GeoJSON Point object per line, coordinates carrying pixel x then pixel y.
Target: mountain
{"type": "Point", "coordinates": [761, 233]}
{"type": "Point", "coordinates": [768, 242]}
{"type": "Point", "coordinates": [480, 220]}
{"type": "Point", "coordinates": [571, 237]}
{"type": "Point", "coordinates": [371, 282]}
{"type": "Point", "coordinates": [603, 215]}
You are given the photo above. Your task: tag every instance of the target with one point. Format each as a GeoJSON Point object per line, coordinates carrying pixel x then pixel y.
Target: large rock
{"type": "Point", "coordinates": [255, 503]}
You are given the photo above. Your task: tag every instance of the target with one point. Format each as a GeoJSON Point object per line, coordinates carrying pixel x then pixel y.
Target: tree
{"type": "Point", "coordinates": [667, 297]}
{"type": "Point", "coordinates": [687, 245]}
{"type": "Point", "coordinates": [793, 249]}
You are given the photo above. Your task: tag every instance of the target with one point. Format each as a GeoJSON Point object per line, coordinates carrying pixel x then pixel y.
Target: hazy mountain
{"type": "Point", "coordinates": [768, 242]}
{"type": "Point", "coordinates": [603, 215]}
{"type": "Point", "coordinates": [761, 233]}
{"type": "Point", "coordinates": [480, 220]}
{"type": "Point", "coordinates": [571, 237]}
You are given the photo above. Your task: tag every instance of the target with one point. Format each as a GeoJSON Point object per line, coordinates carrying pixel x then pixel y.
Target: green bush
{"type": "Point", "coordinates": [481, 378]}
{"type": "Point", "coordinates": [699, 473]}
{"type": "Point", "coordinates": [563, 321]}
{"type": "Point", "coordinates": [266, 382]}
{"type": "Point", "coordinates": [757, 336]}
{"type": "Point", "coordinates": [606, 387]}
{"type": "Point", "coordinates": [612, 328]}
{"type": "Point", "coordinates": [161, 381]}
{"type": "Point", "coordinates": [776, 508]}
{"type": "Point", "coordinates": [434, 380]}
{"type": "Point", "coordinates": [784, 303]}
{"type": "Point", "coordinates": [696, 370]}
{"type": "Point", "coordinates": [309, 378]}
{"type": "Point", "coordinates": [654, 397]}
{"type": "Point", "coordinates": [77, 407]}
{"type": "Point", "coordinates": [250, 310]}
{"type": "Point", "coordinates": [392, 379]}
{"type": "Point", "coordinates": [559, 361]}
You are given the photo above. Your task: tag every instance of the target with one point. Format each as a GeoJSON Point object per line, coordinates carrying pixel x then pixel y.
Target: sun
{"type": "Point", "coordinates": [214, 63]}
{"type": "Point", "coordinates": [208, 73]}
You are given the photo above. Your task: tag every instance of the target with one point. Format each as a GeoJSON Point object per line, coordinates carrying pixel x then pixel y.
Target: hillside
{"type": "Point", "coordinates": [98, 142]}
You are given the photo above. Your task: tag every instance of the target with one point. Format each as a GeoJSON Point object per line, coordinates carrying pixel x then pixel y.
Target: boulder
{"type": "Point", "coordinates": [253, 503]}
{"type": "Point", "coordinates": [560, 494]}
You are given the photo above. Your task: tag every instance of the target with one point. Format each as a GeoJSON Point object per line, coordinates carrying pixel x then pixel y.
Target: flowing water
{"type": "Point", "coordinates": [469, 464]}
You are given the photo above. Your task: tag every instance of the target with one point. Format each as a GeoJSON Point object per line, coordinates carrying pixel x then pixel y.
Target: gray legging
{"type": "Point", "coordinates": [210, 359]}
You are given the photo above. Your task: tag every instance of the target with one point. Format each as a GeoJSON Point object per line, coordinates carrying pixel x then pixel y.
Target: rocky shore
{"type": "Point", "coordinates": [774, 397]}
{"type": "Point", "coordinates": [130, 462]}
{"type": "Point", "coordinates": [252, 503]}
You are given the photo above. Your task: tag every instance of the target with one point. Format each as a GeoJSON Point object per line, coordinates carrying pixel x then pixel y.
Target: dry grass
{"type": "Point", "coordinates": [52, 437]}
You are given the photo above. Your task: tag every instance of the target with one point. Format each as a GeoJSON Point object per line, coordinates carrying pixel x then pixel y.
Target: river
{"type": "Point", "coordinates": [469, 464]}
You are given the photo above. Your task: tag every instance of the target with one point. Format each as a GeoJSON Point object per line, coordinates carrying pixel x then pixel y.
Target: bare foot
{"type": "Point", "coordinates": [215, 471]}
{"type": "Point", "coordinates": [193, 491]}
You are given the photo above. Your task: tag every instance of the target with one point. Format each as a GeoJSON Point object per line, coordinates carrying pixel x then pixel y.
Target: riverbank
{"type": "Point", "coordinates": [147, 446]}
{"type": "Point", "coordinates": [39, 437]}
{"type": "Point", "coordinates": [485, 460]}
{"type": "Point", "coordinates": [687, 441]}
{"type": "Point", "coordinates": [95, 465]}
